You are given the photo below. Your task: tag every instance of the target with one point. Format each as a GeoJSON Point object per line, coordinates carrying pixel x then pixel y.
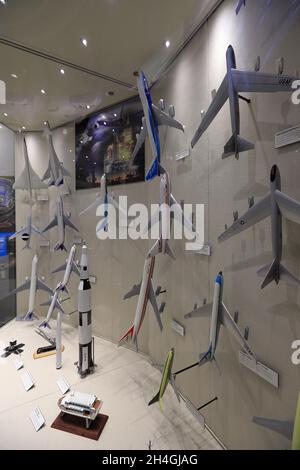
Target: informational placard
{"type": "Point", "coordinates": [287, 137]}
{"type": "Point", "coordinates": [176, 326]}
{"type": "Point", "coordinates": [63, 385]}
{"type": "Point", "coordinates": [27, 381]}
{"type": "Point", "coordinates": [259, 369]}
{"type": "Point", "coordinates": [18, 363]}
{"type": "Point", "coordinates": [192, 409]}
{"type": "Point", "coordinates": [183, 154]}
{"type": "Point", "coordinates": [37, 419]}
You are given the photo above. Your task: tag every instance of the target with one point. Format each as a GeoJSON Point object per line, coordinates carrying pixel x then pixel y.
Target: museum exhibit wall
{"type": "Point", "coordinates": [224, 186]}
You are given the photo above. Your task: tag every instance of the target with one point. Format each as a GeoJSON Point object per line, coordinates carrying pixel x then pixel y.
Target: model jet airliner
{"type": "Point", "coordinates": [167, 377]}
{"type": "Point", "coordinates": [153, 118]}
{"type": "Point", "coordinates": [277, 205]}
{"type": "Point", "coordinates": [28, 179]}
{"type": "Point", "coordinates": [26, 233]}
{"type": "Point", "coordinates": [219, 316]}
{"type": "Point", "coordinates": [54, 175]}
{"type": "Point", "coordinates": [235, 82]}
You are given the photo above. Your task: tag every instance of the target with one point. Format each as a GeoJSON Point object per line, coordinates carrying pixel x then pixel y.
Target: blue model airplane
{"type": "Point", "coordinates": [153, 117]}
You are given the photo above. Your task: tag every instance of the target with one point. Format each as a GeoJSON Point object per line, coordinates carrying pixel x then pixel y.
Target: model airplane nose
{"type": "Point", "coordinates": [274, 173]}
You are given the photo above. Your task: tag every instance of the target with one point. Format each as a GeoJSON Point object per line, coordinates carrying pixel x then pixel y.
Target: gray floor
{"type": "Point", "coordinates": [124, 380]}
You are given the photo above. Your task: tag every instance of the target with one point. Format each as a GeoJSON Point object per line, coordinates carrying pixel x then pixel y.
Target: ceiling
{"type": "Point", "coordinates": [123, 36]}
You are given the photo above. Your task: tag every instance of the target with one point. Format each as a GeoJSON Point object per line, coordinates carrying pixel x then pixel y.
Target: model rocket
{"type": "Point", "coordinates": [86, 357]}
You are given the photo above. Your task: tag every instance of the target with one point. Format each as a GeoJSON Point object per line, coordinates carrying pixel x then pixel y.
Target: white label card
{"type": "Point", "coordinates": [264, 372]}
{"type": "Point", "coordinates": [27, 381]}
{"type": "Point", "coordinates": [37, 419]}
{"type": "Point", "coordinates": [63, 385]}
{"type": "Point", "coordinates": [18, 363]}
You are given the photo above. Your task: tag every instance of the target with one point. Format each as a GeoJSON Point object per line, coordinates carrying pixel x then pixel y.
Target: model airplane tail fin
{"type": "Point", "coordinates": [60, 247]}
{"type": "Point", "coordinates": [30, 316]}
{"type": "Point", "coordinates": [236, 145]}
{"type": "Point", "coordinates": [129, 332]}
{"type": "Point", "coordinates": [275, 272]}
{"type": "Point", "coordinates": [169, 251]}
{"type": "Point", "coordinates": [205, 357]}
{"type": "Point", "coordinates": [154, 400]}
{"type": "Point", "coordinates": [153, 170]}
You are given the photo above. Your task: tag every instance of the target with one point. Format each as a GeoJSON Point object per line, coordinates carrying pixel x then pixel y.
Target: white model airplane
{"type": "Point", "coordinates": [60, 220]}
{"type": "Point", "coordinates": [167, 202]}
{"type": "Point", "coordinates": [28, 179]}
{"type": "Point", "coordinates": [26, 232]}
{"type": "Point", "coordinates": [239, 6]}
{"type": "Point", "coordinates": [153, 118]}
{"type": "Point", "coordinates": [54, 303]}
{"type": "Point", "coordinates": [56, 171]}
{"type": "Point", "coordinates": [219, 316]}
{"type": "Point", "coordinates": [277, 205]}
{"type": "Point", "coordinates": [32, 284]}
{"type": "Point", "coordinates": [145, 290]}
{"type": "Point", "coordinates": [68, 267]}
{"type": "Point", "coordinates": [235, 82]}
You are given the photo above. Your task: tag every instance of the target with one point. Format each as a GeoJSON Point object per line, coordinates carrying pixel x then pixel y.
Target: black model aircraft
{"type": "Point", "coordinates": [13, 348]}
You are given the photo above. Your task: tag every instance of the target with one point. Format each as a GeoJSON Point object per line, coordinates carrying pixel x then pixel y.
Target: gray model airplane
{"type": "Point", "coordinates": [277, 205]}
{"type": "Point", "coordinates": [239, 6]}
{"type": "Point", "coordinates": [235, 82]}
{"type": "Point", "coordinates": [28, 179]}
{"type": "Point", "coordinates": [55, 172]}
{"type": "Point", "coordinates": [219, 316]}
{"type": "Point", "coordinates": [26, 232]}
{"type": "Point", "coordinates": [61, 221]}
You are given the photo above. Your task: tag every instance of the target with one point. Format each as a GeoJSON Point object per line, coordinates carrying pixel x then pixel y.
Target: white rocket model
{"type": "Point", "coordinates": [32, 284]}
{"type": "Point", "coordinates": [60, 220]}
{"type": "Point", "coordinates": [219, 316]}
{"type": "Point", "coordinates": [167, 202]}
{"type": "Point", "coordinates": [55, 172]}
{"type": "Point", "coordinates": [86, 355]}
{"type": "Point", "coordinates": [145, 291]}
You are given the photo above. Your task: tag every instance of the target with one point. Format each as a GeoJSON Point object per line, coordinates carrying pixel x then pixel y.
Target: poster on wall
{"type": "Point", "coordinates": [104, 144]}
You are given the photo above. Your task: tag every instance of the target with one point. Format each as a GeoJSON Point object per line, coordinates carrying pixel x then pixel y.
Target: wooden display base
{"type": "Point", "coordinates": [47, 354]}
{"type": "Point", "coordinates": [75, 425]}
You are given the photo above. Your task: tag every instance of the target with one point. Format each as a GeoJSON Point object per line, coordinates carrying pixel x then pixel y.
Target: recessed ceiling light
{"type": "Point", "coordinates": [14, 75]}
{"type": "Point", "coordinates": [103, 117]}
{"type": "Point", "coordinates": [70, 150]}
{"type": "Point", "coordinates": [62, 71]}
{"type": "Point", "coordinates": [87, 157]}
{"type": "Point", "coordinates": [45, 123]}
{"type": "Point", "coordinates": [5, 114]}
{"type": "Point", "coordinates": [0, 127]}
{"type": "Point", "coordinates": [105, 123]}
{"type": "Point", "coordinates": [88, 106]}
{"type": "Point", "coordinates": [3, 2]}
{"type": "Point", "coordinates": [73, 161]}
{"type": "Point", "coordinates": [167, 44]}
{"type": "Point", "coordinates": [23, 128]}
{"type": "Point", "coordinates": [84, 42]}
{"type": "Point", "coordinates": [43, 91]}
{"type": "Point", "coordinates": [115, 115]}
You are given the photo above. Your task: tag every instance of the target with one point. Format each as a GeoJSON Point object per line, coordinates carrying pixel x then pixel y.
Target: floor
{"type": "Point", "coordinates": [124, 380]}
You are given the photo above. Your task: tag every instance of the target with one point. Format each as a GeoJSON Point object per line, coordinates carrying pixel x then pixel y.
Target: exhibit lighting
{"type": "Point", "coordinates": [43, 91]}
{"type": "Point", "coordinates": [84, 42]}
{"type": "Point", "coordinates": [5, 114]}
{"type": "Point", "coordinates": [23, 128]}
{"type": "Point", "coordinates": [14, 75]}
{"type": "Point", "coordinates": [62, 71]}
{"type": "Point", "coordinates": [168, 44]}
{"type": "Point", "coordinates": [88, 106]}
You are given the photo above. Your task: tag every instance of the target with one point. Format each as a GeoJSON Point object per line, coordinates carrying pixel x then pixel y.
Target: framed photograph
{"type": "Point", "coordinates": [104, 144]}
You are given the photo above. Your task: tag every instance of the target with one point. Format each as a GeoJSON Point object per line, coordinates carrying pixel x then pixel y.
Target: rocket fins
{"type": "Point", "coordinates": [129, 332]}
{"type": "Point", "coordinates": [154, 400]}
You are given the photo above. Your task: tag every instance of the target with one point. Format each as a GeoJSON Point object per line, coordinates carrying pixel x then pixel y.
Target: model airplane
{"type": "Point", "coordinates": [219, 316]}
{"type": "Point", "coordinates": [26, 232]}
{"type": "Point", "coordinates": [69, 266]}
{"type": "Point", "coordinates": [61, 221]}
{"type": "Point", "coordinates": [56, 171]}
{"type": "Point", "coordinates": [54, 303]}
{"type": "Point", "coordinates": [145, 291]}
{"type": "Point", "coordinates": [239, 6]}
{"type": "Point", "coordinates": [28, 179]}
{"type": "Point", "coordinates": [167, 203]}
{"type": "Point", "coordinates": [103, 198]}
{"type": "Point", "coordinates": [289, 429]}
{"type": "Point", "coordinates": [277, 205]}
{"type": "Point", "coordinates": [32, 284]}
{"type": "Point", "coordinates": [153, 117]}
{"type": "Point", "coordinates": [13, 348]}
{"type": "Point", "coordinates": [167, 377]}
{"type": "Point", "coordinates": [236, 82]}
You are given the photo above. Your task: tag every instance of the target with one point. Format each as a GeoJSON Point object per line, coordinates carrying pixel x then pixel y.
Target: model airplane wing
{"type": "Point", "coordinates": [52, 224]}
{"type": "Point", "coordinates": [68, 222]}
{"type": "Point", "coordinates": [289, 208]}
{"type": "Point", "coordinates": [179, 215]}
{"type": "Point", "coordinates": [61, 268]}
{"type": "Point", "coordinates": [216, 105]}
{"type": "Point", "coordinates": [42, 286]}
{"type": "Point", "coordinates": [35, 230]}
{"type": "Point", "coordinates": [20, 232]}
{"type": "Point", "coordinates": [21, 288]}
{"type": "Point", "coordinates": [140, 139]}
{"type": "Point", "coordinates": [114, 203]}
{"type": "Point", "coordinates": [29, 179]}
{"type": "Point", "coordinates": [133, 292]}
{"type": "Point", "coordinates": [239, 6]}
{"type": "Point", "coordinates": [98, 201]}
{"type": "Point", "coordinates": [152, 298]}
{"type": "Point", "coordinates": [229, 323]}
{"type": "Point", "coordinates": [261, 82]}
{"type": "Point", "coordinates": [285, 428]}
{"type": "Point", "coordinates": [163, 119]}
{"type": "Point", "coordinates": [258, 212]}
{"type": "Point", "coordinates": [48, 174]}
{"type": "Point", "coordinates": [203, 311]}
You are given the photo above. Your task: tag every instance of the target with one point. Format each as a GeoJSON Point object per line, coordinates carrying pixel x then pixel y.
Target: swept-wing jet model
{"type": "Point", "coordinates": [239, 6]}
{"type": "Point", "coordinates": [167, 202]}
{"type": "Point", "coordinates": [277, 205]}
{"type": "Point", "coordinates": [28, 179]}
{"type": "Point", "coordinates": [153, 118]}
{"type": "Point", "coordinates": [235, 82]}
{"type": "Point", "coordinates": [289, 429]}
{"type": "Point", "coordinates": [145, 290]}
{"type": "Point", "coordinates": [167, 377]}
{"type": "Point", "coordinates": [26, 232]}
{"type": "Point", "coordinates": [54, 303]}
{"type": "Point", "coordinates": [69, 266]}
{"type": "Point", "coordinates": [32, 284]}
{"type": "Point", "coordinates": [219, 316]}
{"type": "Point", "coordinates": [56, 171]}
{"type": "Point", "coordinates": [13, 348]}
{"type": "Point", "coordinates": [60, 220]}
